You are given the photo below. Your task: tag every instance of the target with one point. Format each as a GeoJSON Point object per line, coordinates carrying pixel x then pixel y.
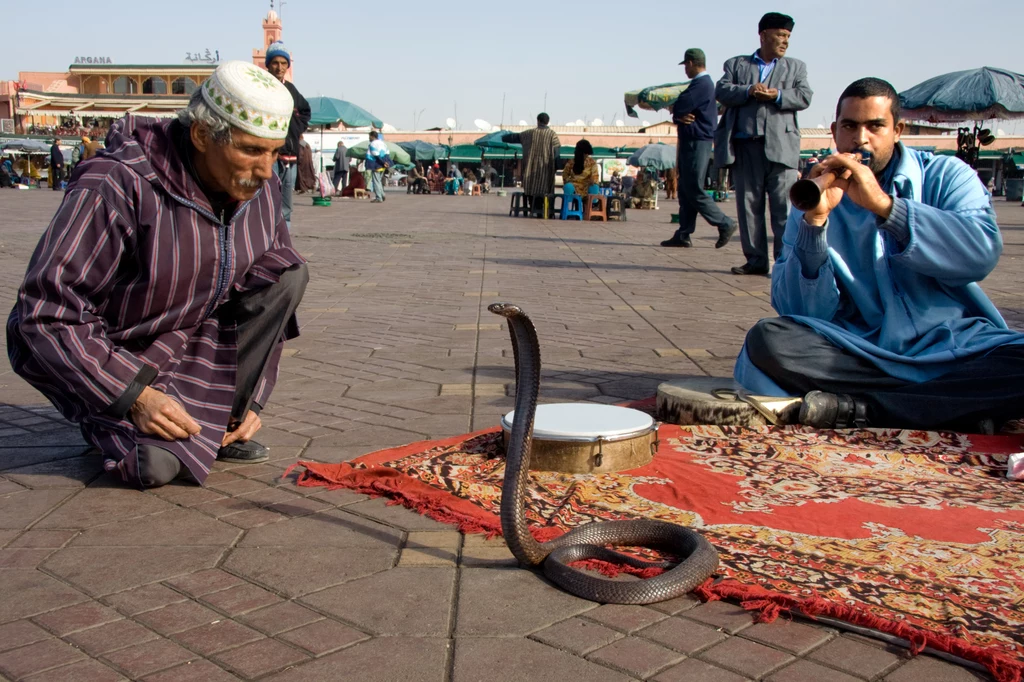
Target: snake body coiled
{"type": "Point", "coordinates": [589, 541]}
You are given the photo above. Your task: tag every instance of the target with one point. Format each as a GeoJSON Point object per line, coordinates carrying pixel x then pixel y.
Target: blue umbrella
{"type": "Point", "coordinates": [974, 95]}
{"type": "Point", "coordinates": [658, 156]}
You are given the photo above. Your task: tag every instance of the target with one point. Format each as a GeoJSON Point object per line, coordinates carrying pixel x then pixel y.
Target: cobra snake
{"type": "Point", "coordinates": [589, 541]}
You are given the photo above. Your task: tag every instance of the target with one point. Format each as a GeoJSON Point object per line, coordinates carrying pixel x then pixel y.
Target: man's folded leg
{"type": "Point", "coordinates": [157, 467]}
{"type": "Point", "coordinates": [987, 388]}
{"type": "Point", "coordinates": [799, 360]}
{"type": "Point", "coordinates": [262, 318]}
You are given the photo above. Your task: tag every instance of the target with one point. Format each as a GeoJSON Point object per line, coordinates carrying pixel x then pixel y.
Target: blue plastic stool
{"type": "Point", "coordinates": [572, 204]}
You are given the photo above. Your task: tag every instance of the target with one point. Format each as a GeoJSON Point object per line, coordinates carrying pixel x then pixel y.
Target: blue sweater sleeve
{"type": "Point", "coordinates": [691, 98]}
{"type": "Point", "coordinates": [952, 231]}
{"type": "Point", "coordinates": [803, 281]}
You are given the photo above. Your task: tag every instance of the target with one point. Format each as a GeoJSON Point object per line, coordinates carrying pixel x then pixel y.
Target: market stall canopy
{"type": "Point", "coordinates": [567, 152]}
{"type": "Point", "coordinates": [419, 150]}
{"type": "Point", "coordinates": [327, 111]}
{"type": "Point", "coordinates": [26, 146]}
{"type": "Point", "coordinates": [658, 156]}
{"type": "Point", "coordinates": [973, 95]}
{"type": "Point", "coordinates": [654, 98]}
{"type": "Point", "coordinates": [494, 141]}
{"type": "Point", "coordinates": [398, 155]}
{"type": "Point", "coordinates": [470, 153]}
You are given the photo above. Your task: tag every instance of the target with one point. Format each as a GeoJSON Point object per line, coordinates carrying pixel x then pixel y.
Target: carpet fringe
{"type": "Point", "coordinates": [770, 605]}
{"type": "Point", "coordinates": [438, 505]}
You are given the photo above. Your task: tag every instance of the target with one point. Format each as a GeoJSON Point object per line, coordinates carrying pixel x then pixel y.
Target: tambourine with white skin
{"type": "Point", "coordinates": [589, 438]}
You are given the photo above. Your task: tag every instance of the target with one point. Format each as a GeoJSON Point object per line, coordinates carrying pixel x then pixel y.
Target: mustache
{"type": "Point", "coordinates": [249, 183]}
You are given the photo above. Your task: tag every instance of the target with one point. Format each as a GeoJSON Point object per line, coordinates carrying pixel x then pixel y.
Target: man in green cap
{"type": "Point", "coordinates": [695, 114]}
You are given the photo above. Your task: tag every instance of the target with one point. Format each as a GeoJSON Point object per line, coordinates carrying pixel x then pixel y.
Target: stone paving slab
{"type": "Point", "coordinates": [253, 577]}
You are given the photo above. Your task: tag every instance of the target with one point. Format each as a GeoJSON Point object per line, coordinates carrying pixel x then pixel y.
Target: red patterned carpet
{"type": "Point", "coordinates": [916, 534]}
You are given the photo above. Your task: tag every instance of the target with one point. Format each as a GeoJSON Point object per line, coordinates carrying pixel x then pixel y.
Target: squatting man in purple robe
{"type": "Point", "coordinates": [157, 302]}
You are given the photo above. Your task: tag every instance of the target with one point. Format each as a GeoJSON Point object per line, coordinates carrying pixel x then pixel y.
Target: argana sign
{"type": "Point", "coordinates": [93, 60]}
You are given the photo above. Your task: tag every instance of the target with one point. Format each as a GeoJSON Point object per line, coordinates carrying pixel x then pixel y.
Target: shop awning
{"type": "Point", "coordinates": [470, 153]}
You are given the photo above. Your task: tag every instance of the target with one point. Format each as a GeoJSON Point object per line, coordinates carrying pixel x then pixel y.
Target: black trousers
{"type": "Point", "coordinates": [756, 177]}
{"type": "Point", "coordinates": [692, 161]}
{"type": "Point", "coordinates": [262, 318]}
{"type": "Point", "coordinates": [800, 360]}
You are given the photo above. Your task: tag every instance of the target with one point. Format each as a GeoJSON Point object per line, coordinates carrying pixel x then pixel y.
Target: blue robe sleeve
{"type": "Point", "coordinates": [803, 279]}
{"type": "Point", "coordinates": [952, 230]}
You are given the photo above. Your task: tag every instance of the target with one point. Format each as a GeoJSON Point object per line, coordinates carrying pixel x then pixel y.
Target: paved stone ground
{"type": "Point", "coordinates": [251, 577]}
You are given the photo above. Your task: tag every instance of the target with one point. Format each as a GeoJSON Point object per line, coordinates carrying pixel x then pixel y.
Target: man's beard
{"type": "Point", "coordinates": [878, 164]}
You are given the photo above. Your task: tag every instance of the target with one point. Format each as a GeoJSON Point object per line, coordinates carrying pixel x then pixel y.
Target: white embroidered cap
{"type": "Point", "coordinates": [250, 99]}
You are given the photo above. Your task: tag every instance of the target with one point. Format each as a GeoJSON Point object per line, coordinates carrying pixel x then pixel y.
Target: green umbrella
{"type": "Point", "coordinates": [494, 141]}
{"type": "Point", "coordinates": [424, 151]}
{"type": "Point", "coordinates": [326, 111]}
{"type": "Point", "coordinates": [654, 98]}
{"type": "Point", "coordinates": [398, 155]}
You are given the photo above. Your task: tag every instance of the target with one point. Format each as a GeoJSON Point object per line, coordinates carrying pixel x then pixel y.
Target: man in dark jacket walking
{"type": "Point", "coordinates": [341, 165]}
{"type": "Point", "coordinates": [695, 114]}
{"type": "Point", "coordinates": [278, 61]}
{"type": "Point", "coordinates": [56, 165]}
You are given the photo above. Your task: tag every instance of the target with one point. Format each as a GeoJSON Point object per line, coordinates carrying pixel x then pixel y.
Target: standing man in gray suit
{"type": "Point", "coordinates": [759, 136]}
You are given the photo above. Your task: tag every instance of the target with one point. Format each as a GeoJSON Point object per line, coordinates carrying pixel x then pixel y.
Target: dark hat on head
{"type": "Point", "coordinates": [775, 20]}
{"type": "Point", "coordinates": [694, 54]}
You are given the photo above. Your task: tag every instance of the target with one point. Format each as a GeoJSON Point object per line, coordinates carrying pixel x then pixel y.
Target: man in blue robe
{"type": "Point", "coordinates": [883, 322]}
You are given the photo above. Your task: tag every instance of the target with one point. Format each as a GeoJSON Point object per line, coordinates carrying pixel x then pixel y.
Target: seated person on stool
{"type": "Point", "coordinates": [645, 188]}
{"type": "Point", "coordinates": [615, 184]}
{"type": "Point", "coordinates": [415, 182]}
{"type": "Point", "coordinates": [581, 170]}
{"type": "Point", "coordinates": [453, 184]}
{"type": "Point", "coordinates": [882, 320]}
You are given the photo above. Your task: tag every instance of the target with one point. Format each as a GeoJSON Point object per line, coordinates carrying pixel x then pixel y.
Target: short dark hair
{"type": "Point", "coordinates": [543, 119]}
{"type": "Point", "coordinates": [872, 87]}
{"type": "Point", "coordinates": [373, 134]}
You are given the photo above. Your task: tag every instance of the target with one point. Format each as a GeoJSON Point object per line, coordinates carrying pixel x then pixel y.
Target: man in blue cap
{"type": "Point", "coordinates": [278, 62]}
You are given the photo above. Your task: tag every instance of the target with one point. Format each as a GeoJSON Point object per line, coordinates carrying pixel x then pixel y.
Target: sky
{"type": "Point", "coordinates": [424, 62]}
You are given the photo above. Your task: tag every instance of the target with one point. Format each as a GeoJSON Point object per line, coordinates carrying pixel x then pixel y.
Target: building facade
{"type": "Point", "coordinates": [94, 91]}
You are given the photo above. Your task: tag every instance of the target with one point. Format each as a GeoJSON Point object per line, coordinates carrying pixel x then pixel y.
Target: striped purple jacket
{"type": "Point", "coordinates": [122, 289]}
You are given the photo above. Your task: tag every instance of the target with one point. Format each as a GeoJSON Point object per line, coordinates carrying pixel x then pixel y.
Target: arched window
{"type": "Point", "coordinates": [154, 86]}
{"type": "Point", "coordinates": [183, 86]}
{"type": "Point", "coordinates": [123, 85]}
